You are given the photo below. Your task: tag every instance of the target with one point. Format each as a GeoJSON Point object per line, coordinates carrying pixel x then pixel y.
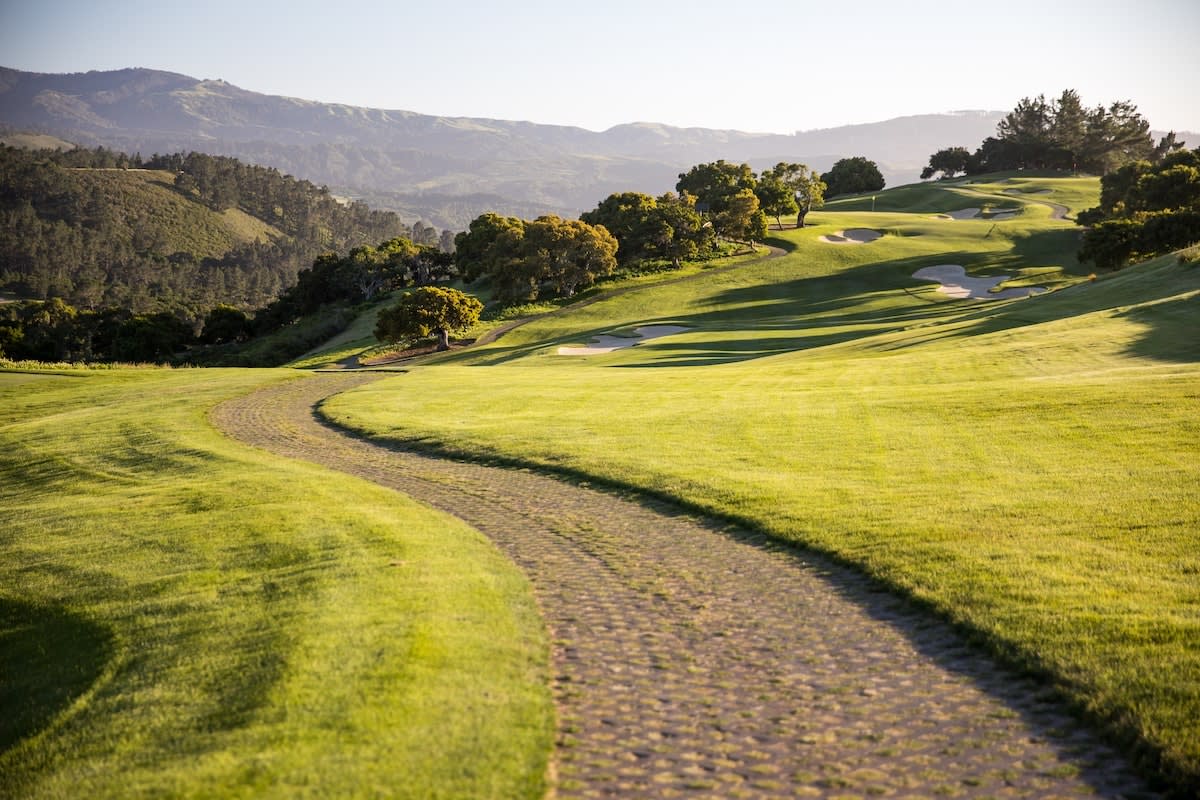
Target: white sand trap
{"type": "Point", "coordinates": [852, 236]}
{"type": "Point", "coordinates": [962, 213]}
{"type": "Point", "coordinates": [607, 343]}
{"type": "Point", "coordinates": [957, 284]}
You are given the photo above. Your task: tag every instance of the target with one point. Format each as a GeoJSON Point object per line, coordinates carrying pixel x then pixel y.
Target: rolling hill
{"type": "Point", "coordinates": [1022, 469]}
{"type": "Point", "coordinates": [445, 170]}
{"type": "Point", "coordinates": [184, 235]}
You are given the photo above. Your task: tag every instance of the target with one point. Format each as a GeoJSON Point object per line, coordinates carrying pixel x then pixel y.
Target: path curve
{"type": "Point", "coordinates": [692, 659]}
{"type": "Point", "coordinates": [1057, 211]}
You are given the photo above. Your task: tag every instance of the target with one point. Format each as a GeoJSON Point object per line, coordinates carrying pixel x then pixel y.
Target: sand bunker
{"type": "Point", "coordinates": [977, 213]}
{"type": "Point", "coordinates": [607, 343]}
{"type": "Point", "coordinates": [852, 236]}
{"type": "Point", "coordinates": [957, 284]}
{"type": "Point", "coordinates": [962, 213]}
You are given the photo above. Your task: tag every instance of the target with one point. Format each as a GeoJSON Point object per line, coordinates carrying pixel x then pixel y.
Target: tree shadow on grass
{"type": "Point", "coordinates": [49, 657]}
{"type": "Point", "coordinates": [1172, 329]}
{"type": "Point", "coordinates": [882, 298]}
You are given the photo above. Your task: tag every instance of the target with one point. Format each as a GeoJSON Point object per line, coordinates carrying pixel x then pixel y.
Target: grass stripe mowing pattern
{"type": "Point", "coordinates": [185, 616]}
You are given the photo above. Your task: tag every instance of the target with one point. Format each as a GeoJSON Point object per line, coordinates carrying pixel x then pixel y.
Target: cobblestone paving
{"type": "Point", "coordinates": [696, 660]}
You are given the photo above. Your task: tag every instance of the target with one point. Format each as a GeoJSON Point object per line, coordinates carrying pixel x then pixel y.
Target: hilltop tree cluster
{"type": "Point", "coordinates": [550, 256]}
{"type": "Point", "coordinates": [737, 202]}
{"type": "Point", "coordinates": [1145, 209]}
{"type": "Point", "coordinates": [667, 227]}
{"type": "Point", "coordinates": [1061, 135]}
{"type": "Point", "coordinates": [525, 260]}
{"type": "Point", "coordinates": [853, 176]}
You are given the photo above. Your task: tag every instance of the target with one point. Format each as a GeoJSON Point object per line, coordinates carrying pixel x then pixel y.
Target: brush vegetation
{"type": "Point", "coordinates": [1027, 468]}
{"type": "Point", "coordinates": [184, 616]}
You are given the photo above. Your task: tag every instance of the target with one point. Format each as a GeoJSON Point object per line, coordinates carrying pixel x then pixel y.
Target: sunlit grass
{"type": "Point", "coordinates": [1028, 468]}
{"type": "Point", "coordinates": [181, 615]}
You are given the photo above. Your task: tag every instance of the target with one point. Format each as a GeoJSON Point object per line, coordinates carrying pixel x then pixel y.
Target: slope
{"type": "Point", "coordinates": [1025, 467]}
{"type": "Point", "coordinates": [185, 616]}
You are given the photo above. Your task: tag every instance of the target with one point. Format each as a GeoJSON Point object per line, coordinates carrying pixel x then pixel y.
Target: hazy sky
{"type": "Point", "coordinates": [766, 65]}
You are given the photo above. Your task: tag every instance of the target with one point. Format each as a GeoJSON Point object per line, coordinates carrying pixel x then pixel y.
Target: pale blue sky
{"type": "Point", "coordinates": [757, 66]}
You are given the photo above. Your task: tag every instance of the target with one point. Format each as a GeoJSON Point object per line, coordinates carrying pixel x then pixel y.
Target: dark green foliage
{"type": "Point", "coordinates": [488, 246]}
{"type": "Point", "coordinates": [648, 228]}
{"type": "Point", "coordinates": [71, 229]}
{"type": "Point", "coordinates": [428, 310]}
{"type": "Point", "coordinates": [225, 324]}
{"type": "Point", "coordinates": [356, 278]}
{"type": "Point", "coordinates": [631, 217]}
{"type": "Point", "coordinates": [1165, 231]}
{"type": "Point", "coordinates": [279, 345]}
{"type": "Point", "coordinates": [54, 331]}
{"type": "Point", "coordinates": [1111, 244]}
{"type": "Point", "coordinates": [682, 233]}
{"type": "Point", "coordinates": [789, 188]}
{"type": "Point", "coordinates": [1058, 135]}
{"type": "Point", "coordinates": [742, 220]}
{"type": "Point", "coordinates": [949, 162]}
{"type": "Point", "coordinates": [522, 260]}
{"type": "Point", "coordinates": [716, 184]}
{"type": "Point", "coordinates": [1144, 210]}
{"type": "Point", "coordinates": [852, 176]}
{"type": "Point", "coordinates": [775, 199]}
{"type": "Point", "coordinates": [569, 254]}
{"type": "Point", "coordinates": [151, 337]}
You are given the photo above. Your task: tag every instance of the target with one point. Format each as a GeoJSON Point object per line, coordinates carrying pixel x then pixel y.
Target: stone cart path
{"type": "Point", "coordinates": [692, 659]}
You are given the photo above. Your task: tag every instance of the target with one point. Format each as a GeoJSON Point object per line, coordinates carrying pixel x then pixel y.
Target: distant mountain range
{"type": "Point", "coordinates": [444, 170]}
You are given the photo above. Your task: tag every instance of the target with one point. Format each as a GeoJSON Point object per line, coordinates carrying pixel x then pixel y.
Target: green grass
{"type": "Point", "coordinates": [184, 616]}
{"type": "Point", "coordinates": [1001, 189]}
{"type": "Point", "coordinates": [1027, 468]}
{"type": "Point", "coordinates": [357, 339]}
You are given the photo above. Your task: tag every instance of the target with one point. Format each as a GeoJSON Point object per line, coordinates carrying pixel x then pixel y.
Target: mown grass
{"type": "Point", "coordinates": [184, 616]}
{"type": "Point", "coordinates": [1028, 468]}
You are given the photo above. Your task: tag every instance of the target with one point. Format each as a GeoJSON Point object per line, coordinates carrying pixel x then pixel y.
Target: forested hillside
{"type": "Point", "coordinates": [444, 170]}
{"type": "Point", "coordinates": [181, 233]}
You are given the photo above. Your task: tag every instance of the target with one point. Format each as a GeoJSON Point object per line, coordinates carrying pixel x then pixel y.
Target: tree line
{"type": "Point", "coordinates": [1059, 134]}
{"type": "Point", "coordinates": [54, 330]}
{"type": "Point", "coordinates": [520, 260]}
{"type": "Point", "coordinates": [1149, 191]}
{"type": "Point", "coordinates": [1146, 209]}
{"type": "Point", "coordinates": [524, 260]}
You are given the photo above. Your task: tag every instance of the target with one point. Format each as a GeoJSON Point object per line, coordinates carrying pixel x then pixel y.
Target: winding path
{"type": "Point", "coordinates": [692, 659]}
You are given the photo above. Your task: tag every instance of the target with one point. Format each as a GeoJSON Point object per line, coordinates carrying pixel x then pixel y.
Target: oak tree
{"type": "Point", "coordinates": [852, 176]}
{"type": "Point", "coordinates": [428, 310]}
{"type": "Point", "coordinates": [806, 188]}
